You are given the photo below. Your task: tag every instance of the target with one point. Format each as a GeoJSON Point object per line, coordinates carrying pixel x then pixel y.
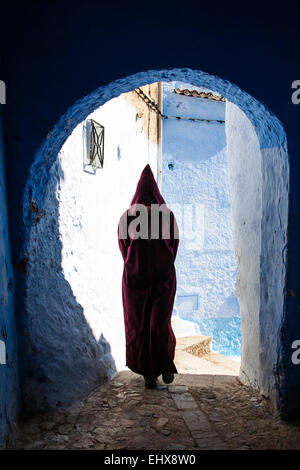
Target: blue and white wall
{"type": "Point", "coordinates": [195, 172]}
{"type": "Point", "coordinates": [44, 348]}
{"type": "Point", "coordinates": [259, 195]}
{"type": "Point", "coordinates": [9, 391]}
{"type": "Point", "coordinates": [75, 268]}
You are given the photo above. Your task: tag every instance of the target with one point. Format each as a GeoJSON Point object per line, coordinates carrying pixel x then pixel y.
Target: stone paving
{"type": "Point", "coordinates": [124, 415]}
{"type": "Point", "coordinates": [197, 411]}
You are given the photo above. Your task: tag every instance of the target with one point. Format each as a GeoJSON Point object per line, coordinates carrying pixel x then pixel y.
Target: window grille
{"type": "Point", "coordinates": [94, 144]}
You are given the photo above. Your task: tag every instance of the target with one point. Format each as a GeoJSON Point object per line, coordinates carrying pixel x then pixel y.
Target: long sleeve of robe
{"type": "Point", "coordinates": [148, 286]}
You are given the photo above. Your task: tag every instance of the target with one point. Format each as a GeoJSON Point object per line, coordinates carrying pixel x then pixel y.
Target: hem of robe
{"type": "Point", "coordinates": [147, 374]}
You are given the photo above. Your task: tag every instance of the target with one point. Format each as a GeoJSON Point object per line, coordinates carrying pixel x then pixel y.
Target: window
{"type": "Point", "coordinates": [94, 144]}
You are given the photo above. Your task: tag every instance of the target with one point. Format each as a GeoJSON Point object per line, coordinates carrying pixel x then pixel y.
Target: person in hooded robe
{"type": "Point", "coordinates": [148, 240]}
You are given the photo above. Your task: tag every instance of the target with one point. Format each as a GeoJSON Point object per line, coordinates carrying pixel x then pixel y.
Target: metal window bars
{"type": "Point", "coordinates": [95, 144]}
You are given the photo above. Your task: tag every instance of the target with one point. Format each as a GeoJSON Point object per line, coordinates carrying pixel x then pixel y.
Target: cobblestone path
{"type": "Point", "coordinates": [195, 412]}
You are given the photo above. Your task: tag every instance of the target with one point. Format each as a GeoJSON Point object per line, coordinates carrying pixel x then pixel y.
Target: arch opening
{"type": "Point", "coordinates": [258, 179]}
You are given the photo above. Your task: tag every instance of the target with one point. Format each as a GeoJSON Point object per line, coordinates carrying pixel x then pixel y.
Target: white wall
{"type": "Point", "coordinates": [258, 180]}
{"type": "Point", "coordinates": [244, 157]}
{"type": "Point", "coordinates": [92, 205]}
{"type": "Point", "coordinates": [75, 266]}
{"type": "Point", "coordinates": [205, 265]}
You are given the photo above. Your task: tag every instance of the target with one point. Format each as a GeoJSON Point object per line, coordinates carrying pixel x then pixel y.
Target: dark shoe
{"type": "Point", "coordinates": [168, 377]}
{"type": "Point", "coordinates": [150, 382]}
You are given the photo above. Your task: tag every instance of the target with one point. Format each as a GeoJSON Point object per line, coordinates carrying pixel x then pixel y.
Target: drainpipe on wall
{"type": "Point", "coordinates": [159, 136]}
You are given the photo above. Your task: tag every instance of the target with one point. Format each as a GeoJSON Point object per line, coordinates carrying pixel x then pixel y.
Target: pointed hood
{"type": "Point", "coordinates": [147, 191]}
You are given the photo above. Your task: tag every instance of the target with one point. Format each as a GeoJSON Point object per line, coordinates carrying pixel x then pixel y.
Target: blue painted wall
{"type": "Point", "coordinates": [58, 52]}
{"type": "Point", "coordinates": [8, 361]}
{"type": "Point", "coordinates": [205, 266]}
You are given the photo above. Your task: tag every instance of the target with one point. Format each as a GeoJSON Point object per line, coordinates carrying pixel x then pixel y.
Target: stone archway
{"type": "Point", "coordinates": [259, 177]}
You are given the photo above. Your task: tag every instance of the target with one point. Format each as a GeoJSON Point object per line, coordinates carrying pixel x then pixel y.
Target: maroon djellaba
{"type": "Point", "coordinates": [149, 283]}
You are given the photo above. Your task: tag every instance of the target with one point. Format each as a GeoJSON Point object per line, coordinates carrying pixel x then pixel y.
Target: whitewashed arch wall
{"type": "Point", "coordinates": [259, 184]}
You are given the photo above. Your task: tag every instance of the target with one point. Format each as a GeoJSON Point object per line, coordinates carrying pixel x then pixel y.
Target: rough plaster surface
{"type": "Point", "coordinates": [270, 134]}
{"type": "Point", "coordinates": [259, 187]}
{"type": "Point", "coordinates": [244, 159]}
{"type": "Point", "coordinates": [9, 393]}
{"type": "Point", "coordinates": [148, 122]}
{"type": "Point", "coordinates": [75, 267]}
{"type": "Point", "coordinates": [273, 264]}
